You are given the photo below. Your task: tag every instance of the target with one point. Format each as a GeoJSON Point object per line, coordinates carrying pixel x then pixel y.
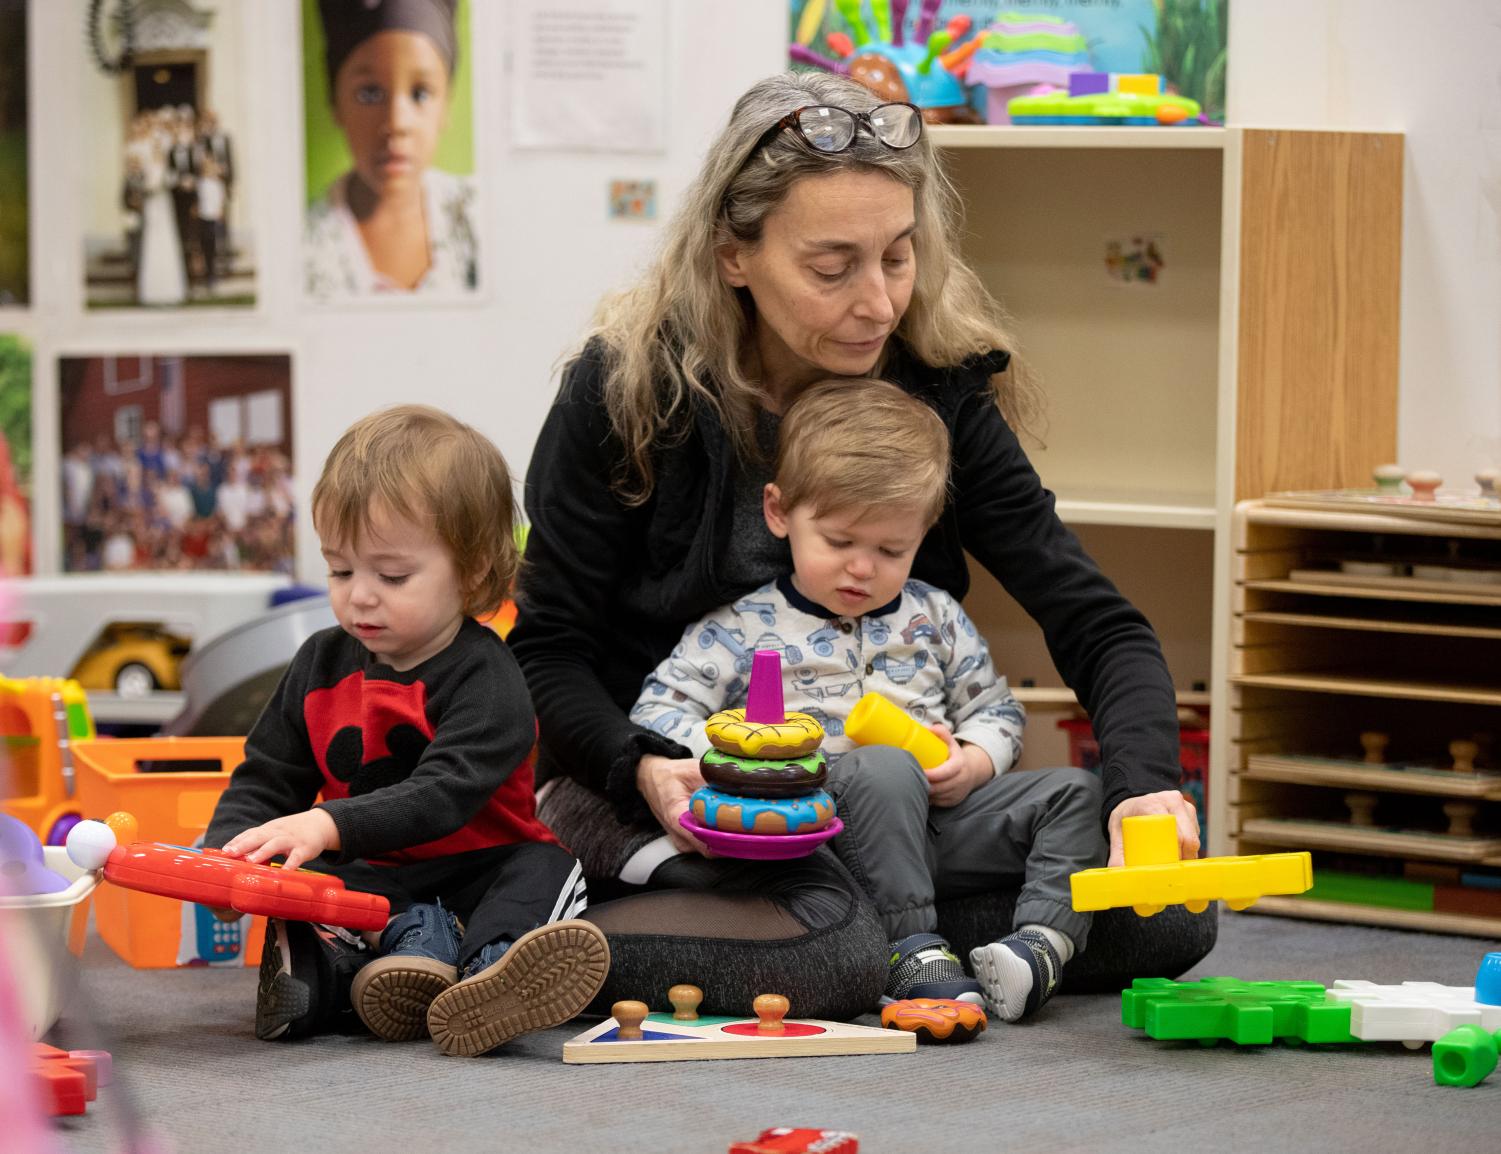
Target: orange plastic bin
{"type": "Point", "coordinates": [171, 805]}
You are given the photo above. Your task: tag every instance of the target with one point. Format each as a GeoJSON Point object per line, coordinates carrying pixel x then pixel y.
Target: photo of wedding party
{"type": "Point", "coordinates": [176, 462]}
{"type": "Point", "coordinates": [170, 212]}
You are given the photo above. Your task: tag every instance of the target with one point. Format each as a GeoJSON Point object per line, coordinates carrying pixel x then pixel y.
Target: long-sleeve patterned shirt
{"type": "Point", "coordinates": [920, 651]}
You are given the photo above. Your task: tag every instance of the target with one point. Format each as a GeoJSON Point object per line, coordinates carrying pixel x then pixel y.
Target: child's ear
{"type": "Point", "coordinates": [771, 509]}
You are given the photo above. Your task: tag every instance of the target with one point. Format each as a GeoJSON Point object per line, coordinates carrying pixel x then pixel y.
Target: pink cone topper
{"type": "Point", "coordinates": [763, 703]}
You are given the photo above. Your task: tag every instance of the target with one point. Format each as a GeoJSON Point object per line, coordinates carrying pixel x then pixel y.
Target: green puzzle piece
{"type": "Point", "coordinates": [1247, 1013]}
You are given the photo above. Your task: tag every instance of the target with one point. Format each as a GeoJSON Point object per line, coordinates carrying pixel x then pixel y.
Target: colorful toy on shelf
{"type": "Point", "coordinates": [133, 660]}
{"type": "Point", "coordinates": [763, 799]}
{"type": "Point", "coordinates": [935, 1019]}
{"type": "Point", "coordinates": [1126, 101]}
{"type": "Point", "coordinates": [1465, 1056]}
{"type": "Point", "coordinates": [219, 881]}
{"type": "Point", "coordinates": [40, 718]}
{"type": "Point", "coordinates": [876, 721]}
{"type": "Point", "coordinates": [1154, 877]}
{"type": "Point", "coordinates": [633, 1034]}
{"type": "Point", "coordinates": [1228, 1009]}
{"type": "Point", "coordinates": [1017, 53]}
{"type": "Point", "coordinates": [923, 70]}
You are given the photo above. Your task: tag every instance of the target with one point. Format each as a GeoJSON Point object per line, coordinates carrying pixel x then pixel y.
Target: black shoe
{"type": "Point", "coordinates": [306, 971]}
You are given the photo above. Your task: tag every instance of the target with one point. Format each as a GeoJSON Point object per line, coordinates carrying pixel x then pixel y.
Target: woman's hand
{"type": "Point", "coordinates": [1168, 801]}
{"type": "Point", "coordinates": [967, 768]}
{"type": "Point", "coordinates": [667, 784]}
{"type": "Point", "coordinates": [301, 836]}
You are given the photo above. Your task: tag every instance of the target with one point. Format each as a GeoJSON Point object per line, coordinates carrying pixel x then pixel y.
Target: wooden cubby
{"type": "Point", "coordinates": [1326, 650]}
{"type": "Point", "coordinates": [1263, 357]}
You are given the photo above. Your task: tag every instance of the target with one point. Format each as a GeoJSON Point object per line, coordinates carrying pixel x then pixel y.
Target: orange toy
{"type": "Point", "coordinates": [935, 1019]}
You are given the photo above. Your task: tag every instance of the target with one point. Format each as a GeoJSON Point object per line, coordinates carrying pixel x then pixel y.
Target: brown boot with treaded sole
{"type": "Point", "coordinates": [392, 995]}
{"type": "Point", "coordinates": [544, 979]}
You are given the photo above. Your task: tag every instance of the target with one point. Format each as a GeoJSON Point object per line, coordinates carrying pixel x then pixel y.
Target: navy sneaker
{"type": "Point", "coordinates": [419, 956]}
{"type": "Point", "coordinates": [1019, 974]}
{"type": "Point", "coordinates": [923, 966]}
{"type": "Point", "coordinates": [542, 979]}
{"type": "Point", "coordinates": [306, 972]}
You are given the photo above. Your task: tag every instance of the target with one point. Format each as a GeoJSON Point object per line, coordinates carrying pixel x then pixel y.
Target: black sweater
{"type": "Point", "coordinates": [425, 763]}
{"type": "Point", "coordinates": [606, 590]}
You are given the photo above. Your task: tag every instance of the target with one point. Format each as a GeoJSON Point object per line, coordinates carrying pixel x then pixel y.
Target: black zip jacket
{"type": "Point", "coordinates": [606, 590]}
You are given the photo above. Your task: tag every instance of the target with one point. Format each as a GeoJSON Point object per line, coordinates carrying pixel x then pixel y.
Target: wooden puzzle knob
{"type": "Point", "coordinates": [1464, 754]}
{"type": "Point", "coordinates": [629, 1016]}
{"type": "Point", "coordinates": [1362, 808]}
{"type": "Point", "coordinates": [1424, 484]}
{"type": "Point", "coordinates": [685, 1000]}
{"type": "Point", "coordinates": [771, 1009]}
{"type": "Point", "coordinates": [1487, 479]}
{"type": "Point", "coordinates": [1461, 815]}
{"type": "Point", "coordinates": [1389, 478]}
{"type": "Point", "coordinates": [1374, 743]}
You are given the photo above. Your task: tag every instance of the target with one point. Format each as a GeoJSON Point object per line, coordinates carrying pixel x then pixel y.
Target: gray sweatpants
{"type": "Point", "coordinates": [1039, 826]}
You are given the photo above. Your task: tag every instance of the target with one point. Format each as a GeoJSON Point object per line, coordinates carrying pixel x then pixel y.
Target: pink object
{"type": "Point", "coordinates": [763, 702]}
{"type": "Point", "coordinates": [760, 846]}
{"type": "Point", "coordinates": [103, 1064]}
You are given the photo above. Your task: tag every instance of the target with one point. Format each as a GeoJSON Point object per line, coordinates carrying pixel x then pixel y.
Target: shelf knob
{"type": "Point", "coordinates": [1487, 479]}
{"type": "Point", "coordinates": [1424, 484]}
{"type": "Point", "coordinates": [1464, 754]}
{"type": "Point", "coordinates": [1389, 478]}
{"type": "Point", "coordinates": [1374, 743]}
{"type": "Point", "coordinates": [1362, 808]}
{"type": "Point", "coordinates": [1461, 815]}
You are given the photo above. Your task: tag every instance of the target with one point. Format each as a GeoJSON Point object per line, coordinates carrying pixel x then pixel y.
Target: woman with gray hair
{"type": "Point", "coordinates": [819, 239]}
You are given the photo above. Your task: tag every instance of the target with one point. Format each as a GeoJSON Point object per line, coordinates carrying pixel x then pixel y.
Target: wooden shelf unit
{"type": "Point", "coordinates": [1263, 358]}
{"type": "Point", "coordinates": [1314, 663]}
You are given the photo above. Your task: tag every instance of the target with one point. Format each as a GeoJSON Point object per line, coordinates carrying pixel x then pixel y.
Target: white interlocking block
{"type": "Point", "coordinates": [1413, 1011]}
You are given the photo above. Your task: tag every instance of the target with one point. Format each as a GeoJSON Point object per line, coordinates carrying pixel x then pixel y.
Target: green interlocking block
{"type": "Point", "coordinates": [1246, 1013]}
{"type": "Point", "coordinates": [1464, 1056]}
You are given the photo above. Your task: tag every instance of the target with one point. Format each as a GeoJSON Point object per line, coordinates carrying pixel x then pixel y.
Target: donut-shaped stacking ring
{"type": "Point", "coordinates": [935, 1019]}
{"type": "Point", "coordinates": [729, 731]}
{"type": "Point", "coordinates": [763, 777]}
{"type": "Point", "coordinates": [761, 815]}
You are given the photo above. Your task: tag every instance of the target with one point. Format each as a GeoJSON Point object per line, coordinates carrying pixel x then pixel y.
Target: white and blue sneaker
{"type": "Point", "coordinates": [1019, 974]}
{"type": "Point", "coordinates": [923, 966]}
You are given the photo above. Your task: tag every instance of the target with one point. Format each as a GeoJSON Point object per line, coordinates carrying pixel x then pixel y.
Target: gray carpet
{"type": "Point", "coordinates": [1075, 1079]}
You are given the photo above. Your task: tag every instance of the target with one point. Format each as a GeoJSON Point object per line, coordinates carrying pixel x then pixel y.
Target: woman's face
{"type": "Point", "coordinates": [831, 277]}
{"type": "Point", "coordinates": [391, 100]}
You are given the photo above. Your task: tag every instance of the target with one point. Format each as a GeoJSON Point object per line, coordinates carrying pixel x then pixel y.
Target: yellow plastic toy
{"type": "Point", "coordinates": [1154, 877]}
{"type": "Point", "coordinates": [876, 721]}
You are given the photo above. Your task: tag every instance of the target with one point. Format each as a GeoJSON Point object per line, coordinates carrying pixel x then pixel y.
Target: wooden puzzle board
{"type": "Point", "coordinates": [1447, 505]}
{"type": "Point", "coordinates": [668, 1040]}
{"type": "Point", "coordinates": [1369, 839]}
{"type": "Point", "coordinates": [1484, 589]}
{"type": "Point", "coordinates": [1363, 775]}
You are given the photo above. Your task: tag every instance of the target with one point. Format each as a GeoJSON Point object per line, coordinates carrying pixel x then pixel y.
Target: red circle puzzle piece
{"type": "Point", "coordinates": [215, 879]}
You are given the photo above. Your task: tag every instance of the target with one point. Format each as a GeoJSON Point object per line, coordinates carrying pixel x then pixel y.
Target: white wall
{"type": "Point", "coordinates": [1433, 72]}
{"type": "Point", "coordinates": [553, 249]}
